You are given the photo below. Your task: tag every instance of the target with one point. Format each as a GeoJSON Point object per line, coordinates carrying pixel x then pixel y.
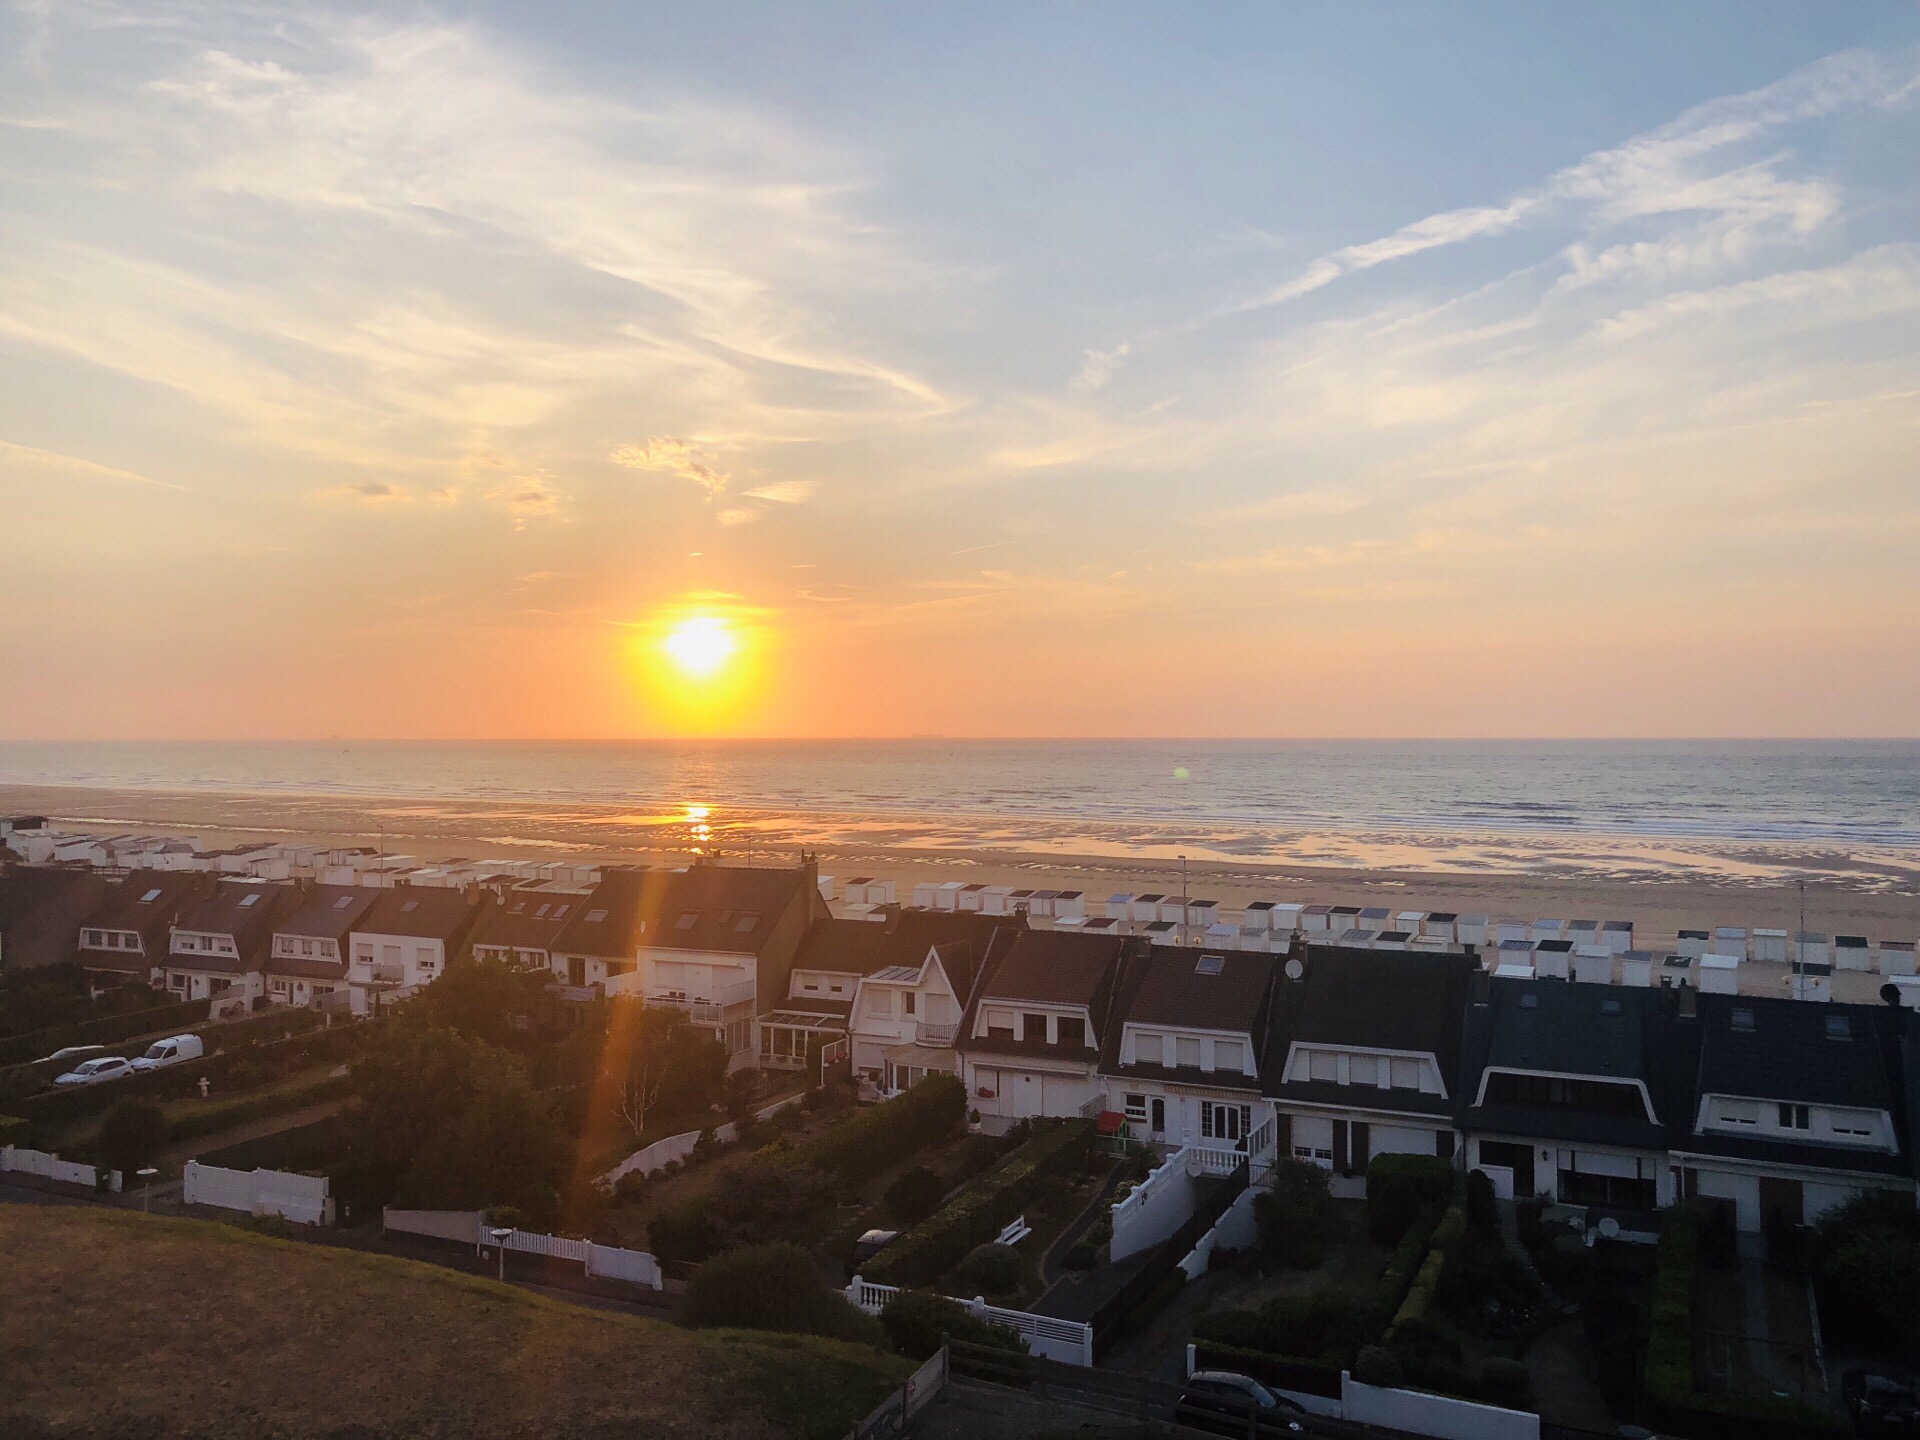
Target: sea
{"type": "Point", "coordinates": [1834, 794]}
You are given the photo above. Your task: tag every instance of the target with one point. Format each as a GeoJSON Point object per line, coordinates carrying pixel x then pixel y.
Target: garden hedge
{"type": "Point", "coordinates": [1390, 1290]}
{"type": "Point", "coordinates": [1402, 1188]}
{"type": "Point", "coordinates": [1282, 1372]}
{"type": "Point", "coordinates": [1419, 1298]}
{"type": "Point", "coordinates": [871, 1139]}
{"type": "Point", "coordinates": [1671, 1401]}
{"type": "Point", "coordinates": [940, 1242]}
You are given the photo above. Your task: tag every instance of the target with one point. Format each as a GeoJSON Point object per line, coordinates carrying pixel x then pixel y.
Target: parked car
{"type": "Point", "coordinates": [93, 1072]}
{"type": "Point", "coordinates": [1221, 1402]}
{"type": "Point", "coordinates": [1882, 1409]}
{"type": "Point", "coordinates": [171, 1051]}
{"type": "Point", "coordinates": [72, 1052]}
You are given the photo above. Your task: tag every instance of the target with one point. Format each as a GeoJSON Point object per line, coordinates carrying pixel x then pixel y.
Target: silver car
{"type": "Point", "coordinates": [95, 1072]}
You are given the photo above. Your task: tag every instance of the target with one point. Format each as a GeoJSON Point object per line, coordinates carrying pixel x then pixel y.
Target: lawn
{"type": "Point", "coordinates": [114, 1323]}
{"type": "Point", "coordinates": [82, 1133]}
{"type": "Point", "coordinates": [1351, 1264]}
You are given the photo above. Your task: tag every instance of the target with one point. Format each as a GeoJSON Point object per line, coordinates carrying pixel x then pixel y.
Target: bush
{"type": "Point", "coordinates": [938, 1243]}
{"type": "Point", "coordinates": [1295, 1214]}
{"type": "Point", "coordinates": [1400, 1189]}
{"type": "Point", "coordinates": [1376, 1366]}
{"type": "Point", "coordinates": [131, 1136]}
{"type": "Point", "coordinates": [225, 1115]}
{"type": "Point", "coordinates": [104, 1030]}
{"type": "Point", "coordinates": [1390, 1290]}
{"type": "Point", "coordinates": [916, 1194]}
{"type": "Point", "coordinates": [918, 1322]}
{"type": "Point", "coordinates": [1865, 1258]}
{"type": "Point", "coordinates": [683, 1234]}
{"type": "Point", "coordinates": [1505, 1382]}
{"type": "Point", "coordinates": [13, 1129]}
{"type": "Point", "coordinates": [775, 1287]}
{"type": "Point", "coordinates": [1483, 1209]}
{"type": "Point", "coordinates": [989, 1270]}
{"type": "Point", "coordinates": [863, 1145]}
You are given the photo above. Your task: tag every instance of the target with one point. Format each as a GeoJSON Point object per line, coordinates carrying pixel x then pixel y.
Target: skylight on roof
{"type": "Point", "coordinates": [1839, 1028]}
{"type": "Point", "coordinates": [1611, 1007]}
{"type": "Point", "coordinates": [343, 902]}
{"type": "Point", "coordinates": [409, 907]}
{"type": "Point", "coordinates": [151, 896]}
{"type": "Point", "coordinates": [247, 900]}
{"type": "Point", "coordinates": [1530, 1001]}
{"type": "Point", "coordinates": [1209, 964]}
{"type": "Point", "coordinates": [745, 924]}
{"type": "Point", "coordinates": [688, 919]}
{"type": "Point", "coordinates": [560, 911]}
{"type": "Point", "coordinates": [541, 912]}
{"type": "Point", "coordinates": [1742, 1018]}
{"type": "Point", "coordinates": [594, 917]}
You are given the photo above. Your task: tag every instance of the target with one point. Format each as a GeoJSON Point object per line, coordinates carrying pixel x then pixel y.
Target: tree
{"type": "Point", "coordinates": [919, 1323]}
{"type": "Point", "coordinates": [1294, 1213]}
{"type": "Point", "coordinates": [638, 1062]}
{"type": "Point", "coordinates": [131, 1136]}
{"type": "Point", "coordinates": [444, 1121]}
{"type": "Point", "coordinates": [503, 1002]}
{"type": "Point", "coordinates": [774, 1287]}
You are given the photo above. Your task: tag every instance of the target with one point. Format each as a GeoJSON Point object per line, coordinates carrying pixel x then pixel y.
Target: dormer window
{"type": "Point", "coordinates": [1839, 1027]}
{"type": "Point", "coordinates": [1741, 1019]}
{"type": "Point", "coordinates": [1072, 1031]}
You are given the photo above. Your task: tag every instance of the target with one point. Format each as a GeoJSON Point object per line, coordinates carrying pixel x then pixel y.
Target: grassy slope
{"type": "Point", "coordinates": [114, 1323]}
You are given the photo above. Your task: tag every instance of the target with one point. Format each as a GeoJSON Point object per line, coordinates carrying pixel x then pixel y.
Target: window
{"type": "Point", "coordinates": [1033, 1029]}
{"type": "Point", "coordinates": [1225, 1122]}
{"type": "Point", "coordinates": [1404, 1074]}
{"type": "Point", "coordinates": [594, 917]}
{"type": "Point", "coordinates": [836, 987]}
{"type": "Point", "coordinates": [1363, 1070]}
{"type": "Point", "coordinates": [746, 924]}
{"type": "Point", "coordinates": [1794, 1117]}
{"type": "Point", "coordinates": [688, 919]}
{"type": "Point", "coordinates": [1322, 1065]}
{"type": "Point", "coordinates": [1737, 1112]}
{"type": "Point", "coordinates": [343, 902]}
{"type": "Point", "coordinates": [306, 947]}
{"type": "Point", "coordinates": [151, 896]}
{"type": "Point", "coordinates": [1136, 1108]}
{"type": "Point", "coordinates": [249, 900]}
{"type": "Point", "coordinates": [1741, 1019]}
{"type": "Point", "coordinates": [409, 907]}
{"type": "Point", "coordinates": [560, 911]}
{"type": "Point", "coordinates": [1072, 1031]}
{"type": "Point", "coordinates": [1839, 1028]}
{"type": "Point", "coordinates": [1186, 1052]}
{"type": "Point", "coordinates": [541, 913]}
{"type": "Point", "coordinates": [1226, 1055]}
{"type": "Point", "coordinates": [1858, 1126]}
{"type": "Point", "coordinates": [93, 938]}
{"type": "Point", "coordinates": [1210, 965]}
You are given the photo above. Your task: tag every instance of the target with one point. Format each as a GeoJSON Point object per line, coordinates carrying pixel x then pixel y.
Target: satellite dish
{"type": "Point", "coordinates": [1295, 969]}
{"type": "Point", "coordinates": [1609, 1228]}
{"type": "Point", "coordinates": [1890, 993]}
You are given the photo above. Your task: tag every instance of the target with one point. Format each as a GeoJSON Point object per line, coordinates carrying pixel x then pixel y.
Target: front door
{"type": "Point", "coordinates": [576, 970]}
{"type": "Point", "coordinates": [1780, 1202]}
{"type": "Point", "coordinates": [1159, 1111]}
{"type": "Point", "coordinates": [1028, 1098]}
{"type": "Point", "coordinates": [1508, 1156]}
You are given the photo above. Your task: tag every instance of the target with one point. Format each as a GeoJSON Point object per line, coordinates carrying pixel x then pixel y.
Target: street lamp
{"type": "Point", "coordinates": [500, 1238]}
{"type": "Point", "coordinates": [146, 1174]}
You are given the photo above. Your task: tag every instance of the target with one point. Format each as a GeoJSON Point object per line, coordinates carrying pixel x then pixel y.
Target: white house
{"type": "Point", "coordinates": [404, 940]}
{"type": "Point", "coordinates": [220, 942]}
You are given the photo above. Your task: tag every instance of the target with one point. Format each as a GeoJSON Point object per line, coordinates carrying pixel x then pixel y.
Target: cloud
{"type": "Point", "coordinates": [26, 457]}
{"type": "Point", "coordinates": [784, 492]}
{"type": "Point", "coordinates": [1099, 368]}
{"type": "Point", "coordinates": [664, 455]}
{"type": "Point", "coordinates": [372, 490]}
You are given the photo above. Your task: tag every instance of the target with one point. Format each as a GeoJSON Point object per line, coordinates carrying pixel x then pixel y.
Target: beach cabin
{"type": "Point", "coordinates": [1020, 902]}
{"type": "Point", "coordinates": [1505, 930]}
{"type": "Point", "coordinates": [1553, 959]}
{"type": "Point", "coordinates": [1896, 958]}
{"type": "Point", "coordinates": [826, 888]}
{"type": "Point", "coordinates": [1811, 981]}
{"type": "Point", "coordinates": [1583, 932]}
{"type": "Point", "coordinates": [1360, 939]}
{"type": "Point", "coordinates": [1592, 965]}
{"type": "Point", "coordinates": [996, 900]}
{"type": "Point", "coordinates": [864, 912]}
{"type": "Point", "coordinates": [1636, 969]}
{"type": "Point", "coordinates": [1907, 988]}
{"type": "Point", "coordinates": [1770, 947]}
{"type": "Point", "coordinates": [1617, 935]}
{"type": "Point", "coordinates": [1316, 920]}
{"type": "Point", "coordinates": [1411, 921]}
{"type": "Point", "coordinates": [1393, 939]}
{"type": "Point", "coordinates": [1472, 930]}
{"type": "Point", "coordinates": [1513, 970]}
{"type": "Point", "coordinates": [1810, 948]}
{"type": "Point", "coordinates": [1070, 922]}
{"type": "Point", "coordinates": [1104, 925]}
{"type": "Point", "coordinates": [1120, 906]}
{"type": "Point", "coordinates": [1513, 952]}
{"type": "Point", "coordinates": [1850, 952]}
{"type": "Point", "coordinates": [968, 897]}
{"type": "Point", "coordinates": [1430, 944]}
{"type": "Point", "coordinates": [1547, 930]}
{"type": "Point", "coordinates": [1161, 932]}
{"type": "Point", "coordinates": [1257, 918]}
{"type": "Point", "coordinates": [1286, 918]}
{"type": "Point", "coordinates": [1693, 943]}
{"type": "Point", "coordinates": [1042, 903]}
{"type": "Point", "coordinates": [923, 895]}
{"type": "Point", "coordinates": [1146, 908]}
{"type": "Point", "coordinates": [1720, 974]}
{"type": "Point", "coordinates": [1344, 918]}
{"type": "Point", "coordinates": [1730, 940]}
{"type": "Point", "coordinates": [1070, 905]}
{"type": "Point", "coordinates": [1440, 925]}
{"type": "Point", "coordinates": [1221, 936]}
{"type": "Point", "coordinates": [1676, 971]}
{"type": "Point", "coordinates": [1377, 918]}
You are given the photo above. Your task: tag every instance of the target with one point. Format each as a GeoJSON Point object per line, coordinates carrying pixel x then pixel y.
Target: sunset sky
{"type": "Point", "coordinates": [1027, 370]}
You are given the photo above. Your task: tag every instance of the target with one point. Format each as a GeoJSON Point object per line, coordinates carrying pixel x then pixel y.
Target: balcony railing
{"type": "Point", "coordinates": [389, 974]}
{"type": "Point", "coordinates": [710, 1007]}
{"type": "Point", "coordinates": [936, 1036]}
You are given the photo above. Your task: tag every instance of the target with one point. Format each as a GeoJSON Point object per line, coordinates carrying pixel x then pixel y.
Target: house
{"type": "Point", "coordinates": [220, 943]}
{"type": "Point", "coordinates": [1796, 1108]}
{"type": "Point", "coordinates": [1181, 1054]}
{"type": "Point", "coordinates": [1362, 1055]}
{"type": "Point", "coordinates": [1030, 1039]}
{"type": "Point", "coordinates": [40, 912]}
{"type": "Point", "coordinates": [717, 941]}
{"type": "Point", "coordinates": [404, 940]}
{"type": "Point", "coordinates": [128, 937]}
{"type": "Point", "coordinates": [895, 990]}
{"type": "Point", "coordinates": [1571, 1091]}
{"type": "Point", "coordinates": [309, 955]}
{"type": "Point", "coordinates": [520, 926]}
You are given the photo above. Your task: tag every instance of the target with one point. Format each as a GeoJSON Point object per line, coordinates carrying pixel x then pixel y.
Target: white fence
{"type": "Point", "coordinates": [1155, 1208]}
{"type": "Point", "coordinates": [303, 1199]}
{"type": "Point", "coordinates": [1237, 1229]}
{"type": "Point", "coordinates": [469, 1227]}
{"type": "Point", "coordinates": [1064, 1340]}
{"type": "Point", "coordinates": [677, 1147]}
{"type": "Point", "coordinates": [19, 1160]}
{"type": "Point", "coordinates": [1438, 1415]}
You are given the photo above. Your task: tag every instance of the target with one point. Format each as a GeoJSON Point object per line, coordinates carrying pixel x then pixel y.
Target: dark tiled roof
{"type": "Point", "coordinates": [1788, 1054]}
{"type": "Point", "coordinates": [246, 911]}
{"type": "Point", "coordinates": [128, 907]}
{"type": "Point", "coordinates": [707, 907]}
{"type": "Point", "coordinates": [1169, 989]}
{"type": "Point", "coordinates": [1057, 967]}
{"type": "Point", "coordinates": [1569, 1029]}
{"type": "Point", "coordinates": [427, 911]}
{"type": "Point", "coordinates": [860, 947]}
{"type": "Point", "coordinates": [328, 912]}
{"type": "Point", "coordinates": [525, 920]}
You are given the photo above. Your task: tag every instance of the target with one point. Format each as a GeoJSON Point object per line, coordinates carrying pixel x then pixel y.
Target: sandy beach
{"type": "Point", "coordinates": [1662, 885]}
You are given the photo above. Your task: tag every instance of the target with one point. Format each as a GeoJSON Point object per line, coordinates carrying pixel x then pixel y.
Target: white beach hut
{"type": "Point", "coordinates": [1430, 944]}
{"type": "Point", "coordinates": [971, 897]}
{"type": "Point", "coordinates": [1222, 936]}
{"type": "Point", "coordinates": [1730, 940]}
{"type": "Point", "coordinates": [1770, 946]}
{"type": "Point", "coordinates": [1146, 908]}
{"type": "Point", "coordinates": [1636, 969]}
{"type": "Point", "coordinates": [1514, 952]}
{"type": "Point", "coordinates": [1316, 919]}
{"type": "Point", "coordinates": [1547, 930]}
{"type": "Point", "coordinates": [1693, 943]}
{"type": "Point", "coordinates": [1285, 919]}
{"type": "Point", "coordinates": [1020, 901]}
{"type": "Point", "coordinates": [1472, 930]}
{"type": "Point", "coordinates": [1811, 981]}
{"type": "Point", "coordinates": [1161, 932]}
{"type": "Point", "coordinates": [996, 900]}
{"type": "Point", "coordinates": [1411, 921]}
{"type": "Point", "coordinates": [1583, 932]}
{"type": "Point", "coordinates": [947, 896]}
{"type": "Point", "coordinates": [1593, 965]}
{"type": "Point", "coordinates": [1850, 952]}
{"type": "Point", "coordinates": [1505, 930]}
{"type": "Point", "coordinates": [1377, 918]}
{"type": "Point", "coordinates": [1343, 919]}
{"type": "Point", "coordinates": [1677, 971]}
{"type": "Point", "coordinates": [1617, 935]}
{"type": "Point", "coordinates": [1513, 970]}
{"type": "Point", "coordinates": [1120, 906]}
{"type": "Point", "coordinates": [1907, 990]}
{"type": "Point", "coordinates": [1896, 959]}
{"type": "Point", "coordinates": [1042, 903]}
{"type": "Point", "coordinates": [923, 895]}
{"type": "Point", "coordinates": [1810, 948]}
{"type": "Point", "coordinates": [1070, 922]}
{"type": "Point", "coordinates": [1070, 905]}
{"type": "Point", "coordinates": [1441, 925]}
{"type": "Point", "coordinates": [1553, 959]}
{"type": "Point", "coordinates": [1393, 939]}
{"type": "Point", "coordinates": [1720, 974]}
{"type": "Point", "coordinates": [863, 912]}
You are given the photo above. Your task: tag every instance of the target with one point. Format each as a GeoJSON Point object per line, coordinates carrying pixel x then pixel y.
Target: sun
{"type": "Point", "coordinates": [701, 646]}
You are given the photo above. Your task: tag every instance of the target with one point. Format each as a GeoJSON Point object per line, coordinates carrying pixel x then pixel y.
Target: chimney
{"type": "Point", "coordinates": [1689, 1003]}
{"type": "Point", "coordinates": [1480, 987]}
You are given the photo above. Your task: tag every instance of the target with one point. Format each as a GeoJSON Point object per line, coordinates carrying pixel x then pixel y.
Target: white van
{"type": "Point", "coordinates": [171, 1051]}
